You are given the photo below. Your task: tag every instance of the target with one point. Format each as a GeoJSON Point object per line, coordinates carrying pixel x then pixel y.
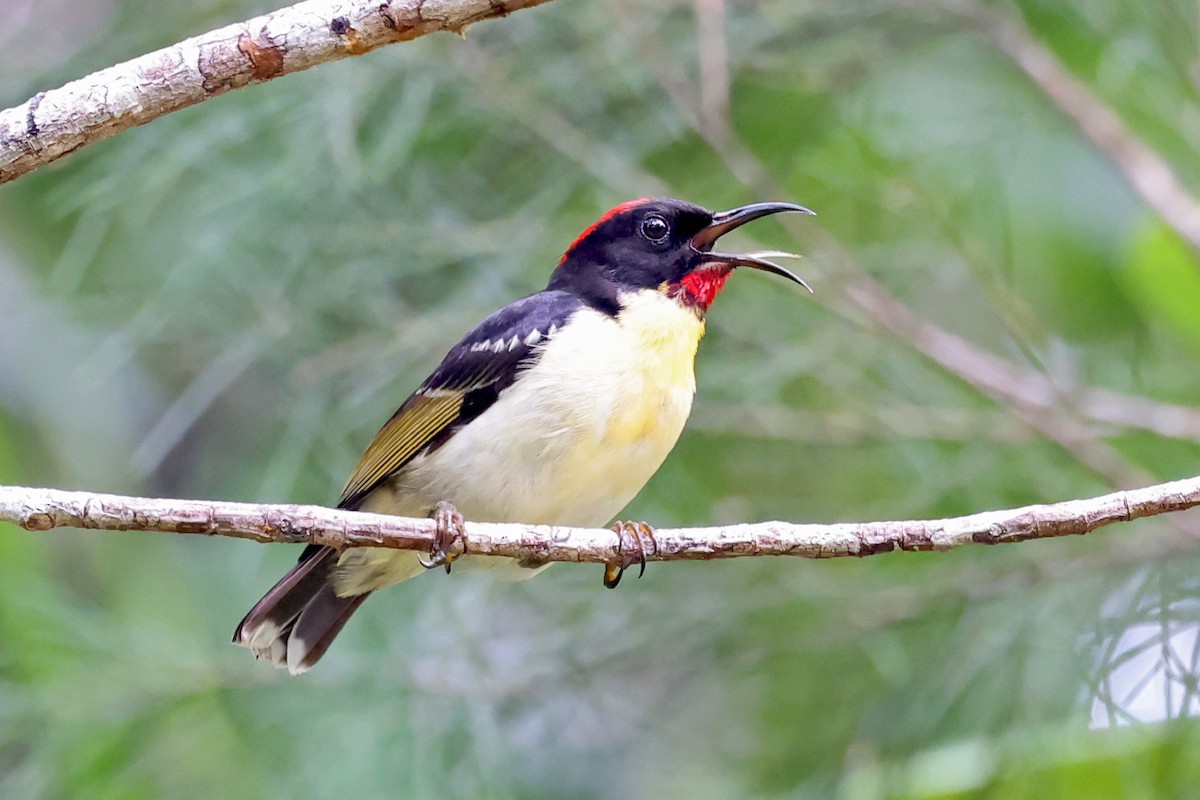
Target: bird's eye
{"type": "Point", "coordinates": [655, 228]}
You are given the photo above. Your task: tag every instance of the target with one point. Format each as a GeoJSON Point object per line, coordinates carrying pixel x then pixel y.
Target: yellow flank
{"type": "Point", "coordinates": [663, 341]}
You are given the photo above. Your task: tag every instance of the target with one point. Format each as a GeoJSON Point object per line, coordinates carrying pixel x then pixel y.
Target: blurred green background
{"type": "Point", "coordinates": [228, 302]}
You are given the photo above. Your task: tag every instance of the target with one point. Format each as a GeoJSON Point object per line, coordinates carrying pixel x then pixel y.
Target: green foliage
{"type": "Point", "coordinates": [229, 301]}
{"type": "Point", "coordinates": [1163, 276]}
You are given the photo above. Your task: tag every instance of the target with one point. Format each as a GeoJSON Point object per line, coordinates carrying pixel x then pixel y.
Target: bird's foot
{"type": "Point", "coordinates": [448, 543]}
{"type": "Point", "coordinates": [634, 545]}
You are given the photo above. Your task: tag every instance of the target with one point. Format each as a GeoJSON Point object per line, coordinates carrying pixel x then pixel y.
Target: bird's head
{"type": "Point", "coordinates": [664, 245]}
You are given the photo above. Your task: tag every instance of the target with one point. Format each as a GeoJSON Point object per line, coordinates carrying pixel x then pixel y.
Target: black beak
{"type": "Point", "coordinates": [725, 221]}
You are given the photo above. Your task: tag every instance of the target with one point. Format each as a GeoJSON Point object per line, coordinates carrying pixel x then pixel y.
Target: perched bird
{"type": "Point", "coordinates": [556, 409]}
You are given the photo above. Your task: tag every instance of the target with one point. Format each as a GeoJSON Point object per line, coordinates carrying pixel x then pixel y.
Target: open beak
{"type": "Point", "coordinates": [725, 221]}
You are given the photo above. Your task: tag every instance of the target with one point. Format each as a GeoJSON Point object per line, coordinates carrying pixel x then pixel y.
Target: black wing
{"type": "Point", "coordinates": [465, 384]}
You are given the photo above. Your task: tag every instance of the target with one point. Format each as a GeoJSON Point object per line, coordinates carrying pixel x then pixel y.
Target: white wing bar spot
{"type": "Point", "coordinates": [500, 345]}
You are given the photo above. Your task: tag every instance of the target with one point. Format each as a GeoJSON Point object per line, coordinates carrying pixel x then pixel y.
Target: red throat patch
{"type": "Point", "coordinates": [703, 285]}
{"type": "Point", "coordinates": [612, 212]}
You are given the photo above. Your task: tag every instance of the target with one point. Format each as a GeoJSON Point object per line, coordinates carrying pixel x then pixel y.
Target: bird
{"type": "Point", "coordinates": [555, 409]}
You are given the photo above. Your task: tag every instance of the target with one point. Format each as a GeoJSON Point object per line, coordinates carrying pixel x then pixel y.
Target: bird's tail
{"type": "Point", "coordinates": [295, 622]}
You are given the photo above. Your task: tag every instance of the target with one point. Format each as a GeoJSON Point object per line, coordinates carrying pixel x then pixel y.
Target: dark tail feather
{"type": "Point", "coordinates": [317, 627]}
{"type": "Point", "coordinates": [302, 600]}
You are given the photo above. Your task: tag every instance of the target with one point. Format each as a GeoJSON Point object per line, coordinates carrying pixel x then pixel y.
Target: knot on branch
{"type": "Point", "coordinates": [266, 57]}
{"type": "Point", "coordinates": [278, 526]}
{"type": "Point", "coordinates": [38, 521]}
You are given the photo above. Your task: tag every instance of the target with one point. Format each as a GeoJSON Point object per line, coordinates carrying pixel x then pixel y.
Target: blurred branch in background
{"type": "Point", "coordinates": [1008, 382]}
{"type": "Point", "coordinates": [45, 509]}
{"type": "Point", "coordinates": [54, 123]}
{"type": "Point", "coordinates": [1146, 170]}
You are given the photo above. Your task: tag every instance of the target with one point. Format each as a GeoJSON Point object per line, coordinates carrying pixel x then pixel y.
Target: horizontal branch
{"type": "Point", "coordinates": [44, 509]}
{"type": "Point", "coordinates": [54, 123]}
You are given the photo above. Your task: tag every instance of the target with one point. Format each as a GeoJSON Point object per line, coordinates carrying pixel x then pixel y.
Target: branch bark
{"type": "Point", "coordinates": [44, 509]}
{"type": "Point", "coordinates": [54, 123]}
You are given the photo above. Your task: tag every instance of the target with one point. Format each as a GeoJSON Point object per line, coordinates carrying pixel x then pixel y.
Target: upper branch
{"type": "Point", "coordinates": [53, 123]}
{"type": "Point", "coordinates": [43, 509]}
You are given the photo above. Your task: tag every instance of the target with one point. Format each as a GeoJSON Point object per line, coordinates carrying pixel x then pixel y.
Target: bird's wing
{"type": "Point", "coordinates": [465, 384]}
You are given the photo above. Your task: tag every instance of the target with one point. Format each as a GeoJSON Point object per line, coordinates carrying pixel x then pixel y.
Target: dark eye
{"type": "Point", "coordinates": [655, 228]}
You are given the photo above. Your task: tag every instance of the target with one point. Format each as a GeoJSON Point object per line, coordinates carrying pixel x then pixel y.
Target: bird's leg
{"type": "Point", "coordinates": [448, 538]}
{"type": "Point", "coordinates": [631, 536]}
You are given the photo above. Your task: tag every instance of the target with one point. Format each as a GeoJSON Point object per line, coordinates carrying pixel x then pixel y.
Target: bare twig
{"type": "Point", "coordinates": [1146, 170]}
{"type": "Point", "coordinates": [714, 62]}
{"type": "Point", "coordinates": [53, 123]}
{"type": "Point", "coordinates": [43, 509]}
{"type": "Point", "coordinates": [1007, 382]}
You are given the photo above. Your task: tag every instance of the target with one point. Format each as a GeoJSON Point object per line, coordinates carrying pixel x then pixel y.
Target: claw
{"type": "Point", "coordinates": [435, 560]}
{"type": "Point", "coordinates": [640, 533]}
{"type": "Point", "coordinates": [448, 538]}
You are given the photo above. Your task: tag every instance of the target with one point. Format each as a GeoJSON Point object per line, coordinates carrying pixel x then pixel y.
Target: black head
{"type": "Point", "coordinates": [662, 244]}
